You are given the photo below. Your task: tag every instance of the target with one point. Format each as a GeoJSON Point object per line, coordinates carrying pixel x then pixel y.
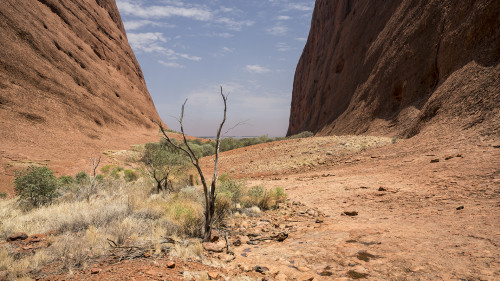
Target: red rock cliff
{"type": "Point", "coordinates": [394, 67]}
{"type": "Point", "coordinates": [70, 85]}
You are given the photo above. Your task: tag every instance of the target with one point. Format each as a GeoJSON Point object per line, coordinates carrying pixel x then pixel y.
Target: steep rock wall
{"type": "Point", "coordinates": [70, 85]}
{"type": "Point", "coordinates": [394, 67]}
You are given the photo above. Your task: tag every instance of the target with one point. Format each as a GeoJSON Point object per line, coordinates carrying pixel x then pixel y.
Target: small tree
{"type": "Point", "coordinates": [90, 185]}
{"type": "Point", "coordinates": [162, 160]}
{"type": "Point", "coordinates": [209, 192]}
{"type": "Point", "coordinates": [36, 185]}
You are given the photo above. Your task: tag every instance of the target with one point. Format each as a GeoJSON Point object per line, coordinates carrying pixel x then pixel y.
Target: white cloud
{"type": "Point", "coordinates": [138, 24]}
{"type": "Point", "coordinates": [300, 6]}
{"type": "Point", "coordinates": [234, 24]}
{"type": "Point", "coordinates": [170, 64]}
{"type": "Point", "coordinates": [147, 42]}
{"type": "Point", "coordinates": [197, 13]}
{"type": "Point", "coordinates": [179, 9]}
{"type": "Point", "coordinates": [283, 47]}
{"type": "Point", "coordinates": [224, 35]}
{"type": "Point", "coordinates": [278, 29]}
{"type": "Point", "coordinates": [284, 17]}
{"type": "Point", "coordinates": [255, 68]}
{"type": "Point", "coordinates": [300, 39]}
{"type": "Point", "coordinates": [151, 42]}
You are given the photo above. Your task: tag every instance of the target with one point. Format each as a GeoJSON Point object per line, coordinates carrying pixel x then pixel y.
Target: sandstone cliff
{"type": "Point", "coordinates": [396, 67]}
{"type": "Point", "coordinates": [70, 85]}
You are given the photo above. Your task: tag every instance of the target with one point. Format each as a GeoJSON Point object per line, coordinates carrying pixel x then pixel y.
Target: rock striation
{"type": "Point", "coordinates": [397, 67]}
{"type": "Point", "coordinates": [70, 85]}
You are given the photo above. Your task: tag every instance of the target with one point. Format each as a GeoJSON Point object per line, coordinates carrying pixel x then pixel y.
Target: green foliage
{"type": "Point", "coordinates": [232, 189]}
{"type": "Point", "coordinates": [162, 161]}
{"type": "Point", "coordinates": [265, 200]}
{"type": "Point", "coordinates": [301, 135]}
{"type": "Point", "coordinates": [278, 194]}
{"type": "Point", "coordinates": [36, 185]}
{"type": "Point", "coordinates": [65, 181]}
{"type": "Point", "coordinates": [130, 175]}
{"type": "Point", "coordinates": [3, 195]}
{"type": "Point", "coordinates": [115, 172]}
{"type": "Point", "coordinates": [256, 192]}
{"type": "Point", "coordinates": [106, 169]}
{"type": "Point", "coordinates": [82, 178]}
{"type": "Point", "coordinates": [227, 144]}
{"type": "Point", "coordinates": [99, 177]}
{"type": "Point", "coordinates": [186, 213]}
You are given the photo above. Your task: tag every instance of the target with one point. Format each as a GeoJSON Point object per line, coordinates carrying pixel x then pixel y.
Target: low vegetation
{"type": "Point", "coordinates": [125, 211]}
{"type": "Point", "coordinates": [36, 186]}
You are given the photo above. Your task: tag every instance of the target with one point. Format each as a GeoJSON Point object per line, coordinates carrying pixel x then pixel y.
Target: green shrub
{"type": "Point", "coordinates": [265, 200]}
{"type": "Point", "coordinates": [231, 188]}
{"type": "Point", "coordinates": [187, 214]}
{"type": "Point", "coordinates": [65, 180]}
{"type": "Point", "coordinates": [36, 185]}
{"type": "Point", "coordinates": [106, 169]}
{"type": "Point", "coordinates": [130, 175]}
{"type": "Point", "coordinates": [279, 194]}
{"type": "Point", "coordinates": [301, 135]}
{"type": "Point", "coordinates": [3, 195]}
{"type": "Point", "coordinates": [82, 178]}
{"type": "Point", "coordinates": [99, 177]}
{"type": "Point", "coordinates": [115, 173]}
{"type": "Point", "coordinates": [223, 206]}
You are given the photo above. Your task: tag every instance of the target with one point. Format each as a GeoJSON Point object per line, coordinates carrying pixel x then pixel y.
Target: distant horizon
{"type": "Point", "coordinates": [188, 49]}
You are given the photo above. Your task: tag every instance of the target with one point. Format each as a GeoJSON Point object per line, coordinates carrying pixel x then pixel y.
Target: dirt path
{"type": "Point", "coordinates": [427, 209]}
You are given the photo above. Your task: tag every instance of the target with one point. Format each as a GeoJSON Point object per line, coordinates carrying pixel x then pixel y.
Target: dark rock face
{"type": "Point", "coordinates": [70, 85]}
{"type": "Point", "coordinates": [395, 67]}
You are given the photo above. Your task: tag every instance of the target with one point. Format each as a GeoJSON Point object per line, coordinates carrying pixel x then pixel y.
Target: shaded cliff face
{"type": "Point", "coordinates": [70, 85]}
{"type": "Point", "coordinates": [395, 67]}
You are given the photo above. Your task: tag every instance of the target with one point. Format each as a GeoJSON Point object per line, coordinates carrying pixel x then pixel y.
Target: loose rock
{"type": "Point", "coordinates": [214, 247]}
{"type": "Point", "coordinates": [17, 236]}
{"type": "Point", "coordinates": [213, 275]}
{"type": "Point", "coordinates": [261, 269]}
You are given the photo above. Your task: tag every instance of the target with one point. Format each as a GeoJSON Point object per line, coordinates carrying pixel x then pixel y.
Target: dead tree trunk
{"type": "Point", "coordinates": [209, 193]}
{"type": "Point", "coordinates": [91, 189]}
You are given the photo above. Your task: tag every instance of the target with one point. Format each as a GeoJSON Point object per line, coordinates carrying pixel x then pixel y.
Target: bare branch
{"type": "Point", "coordinates": [217, 142]}
{"type": "Point", "coordinates": [209, 194]}
{"type": "Point", "coordinates": [235, 126]}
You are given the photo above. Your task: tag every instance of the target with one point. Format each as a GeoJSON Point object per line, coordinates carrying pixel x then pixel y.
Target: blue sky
{"type": "Point", "coordinates": [187, 49]}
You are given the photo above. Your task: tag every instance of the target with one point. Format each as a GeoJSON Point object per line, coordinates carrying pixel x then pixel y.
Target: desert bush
{"type": "Point", "coordinates": [223, 206]}
{"type": "Point", "coordinates": [301, 135]}
{"type": "Point", "coordinates": [231, 188]}
{"type": "Point", "coordinates": [65, 181]}
{"type": "Point", "coordinates": [162, 162]}
{"type": "Point", "coordinates": [106, 169]}
{"type": "Point", "coordinates": [71, 250]}
{"type": "Point", "coordinates": [115, 172]}
{"type": "Point", "coordinates": [3, 195]}
{"type": "Point", "coordinates": [36, 185]}
{"type": "Point", "coordinates": [130, 175]}
{"type": "Point", "coordinates": [82, 178]}
{"type": "Point", "coordinates": [187, 214]}
{"type": "Point", "coordinates": [278, 194]}
{"type": "Point", "coordinates": [264, 199]}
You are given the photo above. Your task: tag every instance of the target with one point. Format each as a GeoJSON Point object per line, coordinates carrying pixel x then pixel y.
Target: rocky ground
{"type": "Point", "coordinates": [371, 208]}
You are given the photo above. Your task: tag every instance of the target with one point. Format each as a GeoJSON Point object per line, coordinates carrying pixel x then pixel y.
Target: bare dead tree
{"type": "Point", "coordinates": [91, 189]}
{"type": "Point", "coordinates": [209, 193]}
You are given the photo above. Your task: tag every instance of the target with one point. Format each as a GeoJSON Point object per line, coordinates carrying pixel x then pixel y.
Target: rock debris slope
{"type": "Point", "coordinates": [397, 67]}
{"type": "Point", "coordinates": [70, 85]}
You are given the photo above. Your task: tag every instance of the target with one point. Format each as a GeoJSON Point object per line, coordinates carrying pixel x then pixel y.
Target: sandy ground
{"type": "Point", "coordinates": [427, 208]}
{"type": "Point", "coordinates": [424, 208]}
